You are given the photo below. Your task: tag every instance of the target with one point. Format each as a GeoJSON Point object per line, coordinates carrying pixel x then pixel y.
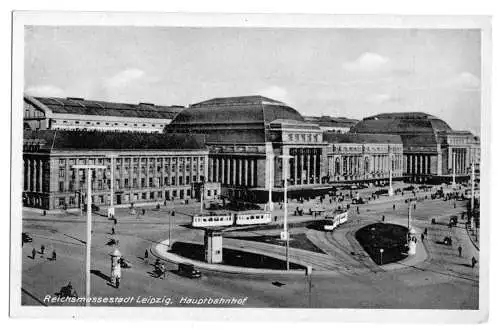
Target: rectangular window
{"type": "Point", "coordinates": [180, 180]}
{"type": "Point", "coordinates": [188, 192]}
{"type": "Point", "coordinates": [152, 195]}
{"type": "Point", "coordinates": [187, 179]}
{"type": "Point", "coordinates": [125, 183]}
{"type": "Point", "coordinates": [174, 193]}
{"type": "Point", "coordinates": [151, 182]}
{"type": "Point", "coordinates": [143, 182]}
{"type": "Point", "coordinates": [72, 201]}
{"type": "Point", "coordinates": [61, 186]}
{"type": "Point", "coordinates": [62, 162]}
{"type": "Point", "coordinates": [209, 193]}
{"type": "Point", "coordinates": [134, 183]}
{"type": "Point", "coordinates": [160, 194]}
{"type": "Point", "coordinates": [194, 178]}
{"type": "Point", "coordinates": [173, 180]}
{"type": "Point", "coordinates": [144, 195]}
{"type": "Point", "coordinates": [99, 185]}
{"type": "Point", "coordinates": [62, 201]}
{"type": "Point", "coordinates": [61, 172]}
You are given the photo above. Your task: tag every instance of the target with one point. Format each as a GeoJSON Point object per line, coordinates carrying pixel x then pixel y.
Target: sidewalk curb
{"type": "Point", "coordinates": [472, 242]}
{"type": "Point", "coordinates": [174, 258]}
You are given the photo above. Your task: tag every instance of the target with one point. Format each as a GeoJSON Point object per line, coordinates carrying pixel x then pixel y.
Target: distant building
{"type": "Point", "coordinates": [246, 135]}
{"type": "Point", "coordinates": [332, 124]}
{"type": "Point", "coordinates": [363, 157]}
{"type": "Point", "coordinates": [51, 113]}
{"type": "Point", "coordinates": [148, 168]}
{"type": "Point", "coordinates": [431, 148]}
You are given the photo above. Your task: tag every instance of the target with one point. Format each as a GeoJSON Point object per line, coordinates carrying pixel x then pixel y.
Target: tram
{"type": "Point", "coordinates": [232, 219]}
{"type": "Point", "coordinates": [337, 219]}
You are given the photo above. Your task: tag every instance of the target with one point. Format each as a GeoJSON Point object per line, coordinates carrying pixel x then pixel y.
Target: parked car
{"type": "Point", "coordinates": [26, 238]}
{"type": "Point", "coordinates": [453, 221]}
{"type": "Point", "coordinates": [188, 270]}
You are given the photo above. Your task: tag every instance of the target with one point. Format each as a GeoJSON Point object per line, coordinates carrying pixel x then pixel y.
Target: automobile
{"type": "Point", "coordinates": [447, 241]}
{"type": "Point", "coordinates": [188, 270]}
{"type": "Point", "coordinates": [358, 201]}
{"type": "Point", "coordinates": [26, 238]}
{"type": "Point", "coordinates": [453, 221]}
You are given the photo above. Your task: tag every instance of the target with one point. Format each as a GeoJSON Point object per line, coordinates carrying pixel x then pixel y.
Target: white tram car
{"type": "Point", "coordinates": [337, 219]}
{"type": "Point", "coordinates": [232, 219]}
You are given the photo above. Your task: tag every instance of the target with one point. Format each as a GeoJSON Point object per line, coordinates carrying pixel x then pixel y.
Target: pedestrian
{"type": "Point", "coordinates": [112, 231]}
{"type": "Point", "coordinates": [143, 212]}
{"type": "Point", "coordinates": [425, 231]}
{"type": "Point", "coordinates": [383, 218]}
{"type": "Point", "coordinates": [33, 253]}
{"type": "Point", "coordinates": [115, 221]}
{"type": "Point", "coordinates": [414, 206]}
{"type": "Point", "coordinates": [54, 256]}
{"type": "Point", "coordinates": [473, 262]}
{"type": "Point", "coordinates": [460, 251]}
{"type": "Point", "coordinates": [357, 210]}
{"type": "Point", "coordinates": [393, 207]}
{"type": "Point", "coordinates": [422, 236]}
{"type": "Point", "coordinates": [162, 271]}
{"type": "Point", "coordinates": [146, 254]}
{"type": "Point", "coordinates": [42, 249]}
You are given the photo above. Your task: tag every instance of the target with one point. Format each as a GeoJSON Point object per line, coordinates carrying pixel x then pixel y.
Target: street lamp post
{"type": "Point", "coordinates": [89, 168]}
{"type": "Point", "coordinates": [381, 254]}
{"type": "Point", "coordinates": [285, 206]}
{"type": "Point", "coordinates": [391, 190]}
{"type": "Point", "coordinates": [111, 209]}
{"type": "Point", "coordinates": [453, 166]}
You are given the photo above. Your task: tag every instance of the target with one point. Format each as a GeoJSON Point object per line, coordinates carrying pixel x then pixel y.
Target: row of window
{"type": "Point", "coordinates": [135, 161]}
{"type": "Point", "coordinates": [153, 183]}
{"type": "Point", "coordinates": [303, 137]}
{"type": "Point", "coordinates": [106, 123]}
{"type": "Point", "coordinates": [100, 173]}
{"type": "Point", "coordinates": [72, 201]}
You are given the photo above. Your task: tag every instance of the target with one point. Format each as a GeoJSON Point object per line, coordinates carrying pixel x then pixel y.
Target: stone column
{"type": "Point", "coordinates": [40, 175]}
{"type": "Point", "coordinates": [302, 167]}
{"type": "Point", "coordinates": [223, 170]}
{"type": "Point", "coordinates": [245, 172]}
{"type": "Point", "coordinates": [252, 171]}
{"type": "Point", "coordinates": [28, 175]}
{"type": "Point", "coordinates": [234, 171]}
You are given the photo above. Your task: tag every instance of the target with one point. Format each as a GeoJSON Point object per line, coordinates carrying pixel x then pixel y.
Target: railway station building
{"type": "Point", "coordinates": [148, 168]}
{"type": "Point", "coordinates": [356, 158]}
{"type": "Point", "coordinates": [248, 138]}
{"type": "Point", "coordinates": [431, 148]}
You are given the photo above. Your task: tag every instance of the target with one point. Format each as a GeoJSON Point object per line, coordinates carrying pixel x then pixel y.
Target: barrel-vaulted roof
{"type": "Point", "coordinates": [233, 119]}
{"type": "Point", "coordinates": [401, 123]}
{"type": "Point", "coordinates": [81, 106]}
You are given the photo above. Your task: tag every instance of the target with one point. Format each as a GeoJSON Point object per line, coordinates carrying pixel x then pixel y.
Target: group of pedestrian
{"type": "Point", "coordinates": [42, 252]}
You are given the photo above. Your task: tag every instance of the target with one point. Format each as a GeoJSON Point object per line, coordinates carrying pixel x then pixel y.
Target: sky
{"type": "Point", "coordinates": [352, 73]}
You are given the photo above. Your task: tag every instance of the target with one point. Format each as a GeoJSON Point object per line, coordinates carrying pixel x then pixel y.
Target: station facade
{"type": "Point", "coordinates": [363, 157]}
{"type": "Point", "coordinates": [147, 168]}
{"type": "Point", "coordinates": [432, 150]}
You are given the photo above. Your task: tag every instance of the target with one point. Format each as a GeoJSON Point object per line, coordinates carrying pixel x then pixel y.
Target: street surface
{"type": "Point", "coordinates": [343, 277]}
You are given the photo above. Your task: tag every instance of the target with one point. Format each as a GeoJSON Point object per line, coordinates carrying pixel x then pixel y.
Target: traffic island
{"type": "Point", "coordinates": [384, 243]}
{"type": "Point", "coordinates": [232, 257]}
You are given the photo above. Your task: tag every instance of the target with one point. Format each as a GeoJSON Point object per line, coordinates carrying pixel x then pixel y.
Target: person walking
{"type": "Point", "coordinates": [33, 253]}
{"type": "Point", "coordinates": [112, 231]}
{"type": "Point", "coordinates": [393, 207]}
{"type": "Point", "coordinates": [422, 236]}
{"type": "Point", "coordinates": [460, 251]}
{"type": "Point", "coordinates": [146, 256]}
{"type": "Point", "coordinates": [42, 249]}
{"type": "Point", "coordinates": [54, 256]}
{"type": "Point", "coordinates": [425, 231]}
{"type": "Point", "coordinates": [473, 262]}
{"type": "Point", "coordinates": [115, 221]}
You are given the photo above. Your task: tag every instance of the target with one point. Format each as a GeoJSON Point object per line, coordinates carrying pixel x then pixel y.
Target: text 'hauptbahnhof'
{"type": "Point", "coordinates": [239, 148]}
